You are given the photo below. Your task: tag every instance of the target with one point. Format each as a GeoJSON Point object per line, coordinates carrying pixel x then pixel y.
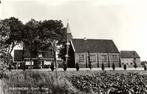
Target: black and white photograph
{"type": "Point", "coordinates": [73, 47]}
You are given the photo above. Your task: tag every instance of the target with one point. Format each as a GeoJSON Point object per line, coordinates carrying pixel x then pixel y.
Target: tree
{"type": "Point", "coordinates": [143, 63]}
{"type": "Point", "coordinates": [71, 59]}
{"type": "Point", "coordinates": [10, 67]}
{"type": "Point", "coordinates": [4, 35]}
{"type": "Point", "coordinates": [51, 30]}
{"type": "Point", "coordinates": [64, 67]}
{"type": "Point", "coordinates": [34, 35]}
{"type": "Point", "coordinates": [113, 66]}
{"type": "Point", "coordinates": [52, 66]}
{"type": "Point", "coordinates": [135, 65]}
{"type": "Point", "coordinates": [77, 66]}
{"type": "Point", "coordinates": [10, 35]}
{"type": "Point", "coordinates": [15, 32]}
{"type": "Point", "coordinates": [5, 60]}
{"type": "Point", "coordinates": [89, 60]}
{"type": "Point", "coordinates": [125, 66]}
{"type": "Point", "coordinates": [103, 67]}
{"type": "Point", "coordinates": [144, 67]}
{"type": "Point", "coordinates": [31, 38]}
{"type": "Point", "coordinates": [90, 65]}
{"type": "Point", "coordinates": [23, 66]}
{"type": "Point", "coordinates": [42, 36]}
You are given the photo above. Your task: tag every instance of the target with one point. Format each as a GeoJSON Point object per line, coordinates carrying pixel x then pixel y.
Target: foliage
{"type": "Point", "coordinates": [143, 63]}
{"type": "Point", "coordinates": [144, 67]}
{"type": "Point", "coordinates": [90, 65]}
{"type": "Point", "coordinates": [4, 35]}
{"type": "Point", "coordinates": [40, 36]}
{"type": "Point", "coordinates": [103, 67]}
{"type": "Point", "coordinates": [104, 82]}
{"type": "Point", "coordinates": [71, 59]}
{"type": "Point", "coordinates": [77, 66]}
{"type": "Point", "coordinates": [52, 66]}
{"type": "Point", "coordinates": [34, 36]}
{"type": "Point", "coordinates": [45, 82]}
{"type": "Point", "coordinates": [125, 66]}
{"type": "Point", "coordinates": [113, 66]}
{"type": "Point", "coordinates": [10, 67]}
{"type": "Point", "coordinates": [10, 35]}
{"type": "Point", "coordinates": [81, 82]}
{"type": "Point", "coordinates": [13, 32]}
{"type": "Point", "coordinates": [23, 66]}
{"type": "Point", "coordinates": [43, 34]}
{"type": "Point", "coordinates": [135, 65]}
{"type": "Point", "coordinates": [64, 67]}
{"type": "Point", "coordinates": [5, 58]}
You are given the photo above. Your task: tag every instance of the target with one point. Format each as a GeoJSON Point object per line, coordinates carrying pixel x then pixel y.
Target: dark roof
{"type": "Point", "coordinates": [94, 45]}
{"type": "Point", "coordinates": [129, 54]}
{"type": "Point", "coordinates": [20, 54]}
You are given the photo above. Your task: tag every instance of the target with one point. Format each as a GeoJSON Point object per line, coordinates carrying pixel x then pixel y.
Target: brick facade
{"type": "Point", "coordinates": [97, 59]}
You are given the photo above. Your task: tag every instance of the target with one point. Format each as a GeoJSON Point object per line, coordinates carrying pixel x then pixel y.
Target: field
{"type": "Point", "coordinates": [74, 82]}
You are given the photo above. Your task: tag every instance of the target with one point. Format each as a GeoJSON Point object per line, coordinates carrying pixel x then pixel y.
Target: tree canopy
{"type": "Point", "coordinates": [13, 32]}
{"type": "Point", "coordinates": [10, 30]}
{"type": "Point", "coordinates": [34, 35]}
{"type": "Point", "coordinates": [40, 35]}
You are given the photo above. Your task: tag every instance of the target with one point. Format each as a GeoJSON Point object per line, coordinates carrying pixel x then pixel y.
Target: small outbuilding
{"type": "Point", "coordinates": [130, 58]}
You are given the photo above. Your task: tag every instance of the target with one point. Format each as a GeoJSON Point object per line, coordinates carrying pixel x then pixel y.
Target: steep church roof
{"type": "Point", "coordinates": [94, 46]}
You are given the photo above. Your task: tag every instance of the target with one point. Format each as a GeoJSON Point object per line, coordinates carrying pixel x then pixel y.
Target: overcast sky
{"type": "Point", "coordinates": [124, 21]}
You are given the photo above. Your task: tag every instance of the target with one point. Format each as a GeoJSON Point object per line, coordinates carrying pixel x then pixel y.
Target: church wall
{"type": "Point", "coordinates": [97, 59]}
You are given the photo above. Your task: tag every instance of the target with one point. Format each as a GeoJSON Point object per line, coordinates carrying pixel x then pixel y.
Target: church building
{"type": "Point", "coordinates": [91, 51]}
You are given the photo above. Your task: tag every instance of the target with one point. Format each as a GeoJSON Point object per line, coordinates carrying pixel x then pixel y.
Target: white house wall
{"type": "Point", "coordinates": [130, 62]}
{"type": "Point", "coordinates": [29, 63]}
{"type": "Point", "coordinates": [46, 62]}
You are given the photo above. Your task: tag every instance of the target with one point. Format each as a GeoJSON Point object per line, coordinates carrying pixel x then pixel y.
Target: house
{"type": "Point", "coordinates": [144, 63]}
{"type": "Point", "coordinates": [130, 58]}
{"type": "Point", "coordinates": [91, 51]}
{"type": "Point", "coordinates": [24, 58]}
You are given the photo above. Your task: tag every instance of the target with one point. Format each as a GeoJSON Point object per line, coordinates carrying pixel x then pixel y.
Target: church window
{"type": "Point", "coordinates": [114, 57]}
{"type": "Point", "coordinates": [92, 58]}
{"type": "Point", "coordinates": [104, 58]}
{"type": "Point", "coordinates": [81, 58]}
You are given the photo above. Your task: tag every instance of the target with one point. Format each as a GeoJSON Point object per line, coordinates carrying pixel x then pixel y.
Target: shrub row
{"type": "Point", "coordinates": [102, 67]}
